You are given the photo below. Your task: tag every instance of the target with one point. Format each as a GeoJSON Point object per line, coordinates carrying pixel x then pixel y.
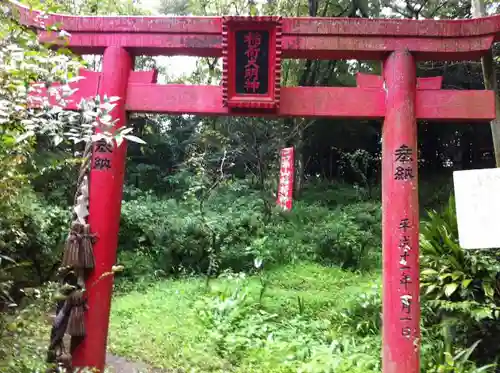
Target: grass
{"type": "Point", "coordinates": [307, 312]}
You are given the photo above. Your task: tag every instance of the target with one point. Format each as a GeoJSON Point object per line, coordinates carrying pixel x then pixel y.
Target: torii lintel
{"type": "Point", "coordinates": [303, 37]}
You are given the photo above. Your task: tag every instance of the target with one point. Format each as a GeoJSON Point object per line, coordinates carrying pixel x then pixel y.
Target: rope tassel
{"type": "Point", "coordinates": [77, 262]}
{"type": "Point", "coordinates": [71, 256]}
{"type": "Point", "coordinates": [87, 253]}
{"type": "Point", "coordinates": [76, 322]}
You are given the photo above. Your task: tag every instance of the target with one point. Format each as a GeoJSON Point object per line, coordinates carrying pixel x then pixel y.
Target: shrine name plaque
{"type": "Point", "coordinates": [251, 62]}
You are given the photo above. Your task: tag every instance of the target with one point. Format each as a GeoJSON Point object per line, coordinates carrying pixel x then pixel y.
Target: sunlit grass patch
{"type": "Point", "coordinates": [237, 325]}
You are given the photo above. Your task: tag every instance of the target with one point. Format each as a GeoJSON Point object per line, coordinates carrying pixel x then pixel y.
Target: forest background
{"type": "Point", "coordinates": [220, 279]}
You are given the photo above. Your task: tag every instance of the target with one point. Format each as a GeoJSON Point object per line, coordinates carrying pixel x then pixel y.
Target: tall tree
{"type": "Point", "coordinates": [490, 81]}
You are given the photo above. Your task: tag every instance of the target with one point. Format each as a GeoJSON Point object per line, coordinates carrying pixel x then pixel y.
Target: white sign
{"type": "Point", "coordinates": [477, 199]}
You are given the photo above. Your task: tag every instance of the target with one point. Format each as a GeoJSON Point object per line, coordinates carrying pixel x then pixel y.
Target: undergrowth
{"type": "Point", "coordinates": [303, 317]}
{"type": "Point", "coordinates": [161, 237]}
{"type": "Point", "coordinates": [295, 292]}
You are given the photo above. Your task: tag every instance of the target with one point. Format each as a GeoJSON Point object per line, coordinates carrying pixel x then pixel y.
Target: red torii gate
{"type": "Point", "coordinates": [398, 97]}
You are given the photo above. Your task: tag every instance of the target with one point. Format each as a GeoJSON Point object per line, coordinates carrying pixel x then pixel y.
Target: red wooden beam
{"type": "Point", "coordinates": [429, 83]}
{"type": "Point", "coordinates": [149, 76]}
{"type": "Point", "coordinates": [88, 87]}
{"type": "Point", "coordinates": [432, 103]}
{"type": "Point", "coordinates": [144, 95]}
{"type": "Point", "coordinates": [323, 38]}
{"type": "Point", "coordinates": [291, 26]}
{"type": "Point", "coordinates": [377, 81]}
{"type": "Point", "coordinates": [294, 46]}
{"type": "Point", "coordinates": [295, 101]}
{"type": "Point", "coordinates": [440, 105]}
{"type": "Point", "coordinates": [455, 105]}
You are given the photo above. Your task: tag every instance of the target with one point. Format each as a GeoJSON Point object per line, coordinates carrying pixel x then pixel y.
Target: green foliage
{"type": "Point", "coordinates": [161, 236]}
{"type": "Point", "coordinates": [32, 234]}
{"type": "Point", "coordinates": [26, 229]}
{"type": "Point", "coordinates": [295, 326]}
{"type": "Point", "coordinates": [22, 335]}
{"type": "Point", "coordinates": [460, 362]}
{"type": "Point", "coordinates": [33, 237]}
{"type": "Point", "coordinates": [352, 239]}
{"type": "Point", "coordinates": [177, 240]}
{"type": "Point", "coordinates": [232, 326]}
{"type": "Point", "coordinates": [456, 280]}
{"type": "Point", "coordinates": [361, 164]}
{"type": "Point", "coordinates": [310, 318]}
{"type": "Point", "coordinates": [460, 289]}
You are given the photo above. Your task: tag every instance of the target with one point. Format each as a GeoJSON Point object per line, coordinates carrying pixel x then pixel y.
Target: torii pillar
{"type": "Point", "coordinates": [105, 195]}
{"type": "Point", "coordinates": [400, 218]}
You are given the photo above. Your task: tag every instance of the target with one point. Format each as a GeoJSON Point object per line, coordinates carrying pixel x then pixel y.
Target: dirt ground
{"type": "Point", "coordinates": [118, 364]}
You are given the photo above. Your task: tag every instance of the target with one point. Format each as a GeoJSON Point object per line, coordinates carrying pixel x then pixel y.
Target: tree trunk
{"type": "Point", "coordinates": [490, 82]}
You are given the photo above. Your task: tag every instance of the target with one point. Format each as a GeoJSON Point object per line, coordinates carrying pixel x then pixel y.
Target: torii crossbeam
{"type": "Point", "coordinates": [398, 97]}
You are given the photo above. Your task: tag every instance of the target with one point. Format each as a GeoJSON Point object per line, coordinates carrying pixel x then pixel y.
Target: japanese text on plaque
{"type": "Point", "coordinates": [252, 41]}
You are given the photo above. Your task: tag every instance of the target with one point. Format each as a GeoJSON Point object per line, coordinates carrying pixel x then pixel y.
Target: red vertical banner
{"type": "Point", "coordinates": [285, 187]}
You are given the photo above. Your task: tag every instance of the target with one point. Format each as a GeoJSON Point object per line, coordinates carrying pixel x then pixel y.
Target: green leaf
{"type": "Point", "coordinates": [449, 289]}
{"type": "Point", "coordinates": [429, 272]}
{"type": "Point", "coordinates": [430, 289]}
{"type": "Point", "coordinates": [24, 136]}
{"type": "Point", "coordinates": [134, 139]}
{"type": "Point", "coordinates": [57, 140]}
{"type": "Point", "coordinates": [488, 290]}
{"type": "Point", "coordinates": [466, 283]}
{"type": "Point", "coordinates": [456, 275]}
{"type": "Point", "coordinates": [119, 139]}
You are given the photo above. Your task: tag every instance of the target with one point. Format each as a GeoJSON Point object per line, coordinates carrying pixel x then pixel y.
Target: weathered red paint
{"type": "Point", "coordinates": [399, 202]}
{"type": "Point", "coordinates": [320, 38]}
{"type": "Point", "coordinates": [87, 88]}
{"type": "Point", "coordinates": [105, 203]}
{"type": "Point", "coordinates": [144, 96]}
{"type": "Point", "coordinates": [301, 26]}
{"type": "Point", "coordinates": [323, 47]}
{"type": "Point", "coordinates": [140, 77]}
{"type": "Point", "coordinates": [334, 102]}
{"type": "Point", "coordinates": [377, 81]}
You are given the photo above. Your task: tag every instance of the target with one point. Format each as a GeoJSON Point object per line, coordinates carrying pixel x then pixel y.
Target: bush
{"type": "Point", "coordinates": [160, 236]}
{"type": "Point", "coordinates": [352, 238]}
{"type": "Point", "coordinates": [23, 334]}
{"type": "Point", "coordinates": [32, 235]}
{"type": "Point", "coordinates": [174, 239]}
{"type": "Point", "coordinates": [460, 287]}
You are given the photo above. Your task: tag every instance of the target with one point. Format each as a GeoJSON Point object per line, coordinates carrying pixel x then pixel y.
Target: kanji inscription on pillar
{"type": "Point", "coordinates": [404, 158]}
{"type": "Point", "coordinates": [251, 50]}
{"type": "Point", "coordinates": [102, 155]}
{"type": "Point", "coordinates": [405, 268]}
